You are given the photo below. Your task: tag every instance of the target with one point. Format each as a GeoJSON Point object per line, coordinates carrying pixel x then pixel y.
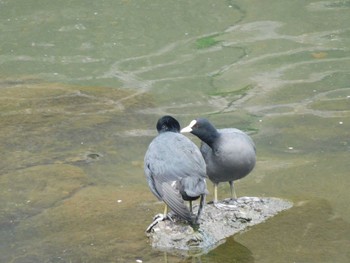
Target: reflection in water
{"type": "Point", "coordinates": [231, 251]}
{"type": "Point", "coordinates": [71, 180]}
{"type": "Point", "coordinates": [313, 230]}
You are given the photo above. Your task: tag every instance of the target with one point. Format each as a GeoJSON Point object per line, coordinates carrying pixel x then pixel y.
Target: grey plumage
{"type": "Point", "coordinates": [175, 169]}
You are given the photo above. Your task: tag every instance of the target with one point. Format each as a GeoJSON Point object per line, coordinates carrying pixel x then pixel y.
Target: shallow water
{"type": "Point", "coordinates": [83, 83]}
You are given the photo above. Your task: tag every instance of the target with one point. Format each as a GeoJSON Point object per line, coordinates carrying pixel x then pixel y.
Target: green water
{"type": "Point", "coordinates": [82, 84]}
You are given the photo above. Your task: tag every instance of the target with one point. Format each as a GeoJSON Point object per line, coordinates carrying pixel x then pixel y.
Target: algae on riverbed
{"type": "Point", "coordinates": [45, 123]}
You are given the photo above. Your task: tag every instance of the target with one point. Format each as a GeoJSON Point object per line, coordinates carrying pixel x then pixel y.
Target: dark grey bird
{"type": "Point", "coordinates": [175, 170]}
{"type": "Point", "coordinates": [230, 153]}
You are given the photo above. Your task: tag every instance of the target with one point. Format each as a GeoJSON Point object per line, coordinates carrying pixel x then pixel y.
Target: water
{"type": "Point", "coordinates": [83, 83]}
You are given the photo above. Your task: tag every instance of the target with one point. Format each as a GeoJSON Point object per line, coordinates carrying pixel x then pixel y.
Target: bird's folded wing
{"type": "Point", "coordinates": [173, 199]}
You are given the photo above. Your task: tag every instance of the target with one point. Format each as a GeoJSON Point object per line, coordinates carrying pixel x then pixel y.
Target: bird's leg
{"type": "Point", "coordinates": [165, 210]}
{"type": "Point", "coordinates": [191, 207]}
{"type": "Point", "coordinates": [215, 201]}
{"type": "Point", "coordinates": [165, 215]}
{"type": "Point", "coordinates": [168, 215]}
{"type": "Point", "coordinates": [197, 236]}
{"type": "Point", "coordinates": [224, 205]}
{"type": "Point", "coordinates": [215, 193]}
{"type": "Point", "coordinates": [233, 192]}
{"type": "Point", "coordinates": [200, 208]}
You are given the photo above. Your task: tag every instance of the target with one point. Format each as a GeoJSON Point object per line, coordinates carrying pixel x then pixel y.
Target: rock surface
{"type": "Point", "coordinates": [217, 223]}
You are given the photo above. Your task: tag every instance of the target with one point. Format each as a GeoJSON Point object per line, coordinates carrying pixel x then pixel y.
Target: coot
{"type": "Point", "coordinates": [175, 169]}
{"type": "Point", "coordinates": [229, 153]}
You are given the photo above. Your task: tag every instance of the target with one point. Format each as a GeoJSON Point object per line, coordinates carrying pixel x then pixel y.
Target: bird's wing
{"type": "Point", "coordinates": [189, 160]}
{"type": "Point", "coordinates": [151, 182]}
{"type": "Point", "coordinates": [173, 199]}
{"type": "Point", "coordinates": [240, 133]}
{"type": "Point", "coordinates": [172, 156]}
{"type": "Point", "coordinates": [205, 150]}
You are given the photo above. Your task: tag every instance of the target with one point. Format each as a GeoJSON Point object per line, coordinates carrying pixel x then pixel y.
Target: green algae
{"type": "Point", "coordinates": [206, 42]}
{"type": "Point", "coordinates": [240, 91]}
{"type": "Point", "coordinates": [27, 192]}
{"type": "Point", "coordinates": [332, 105]}
{"type": "Point", "coordinates": [95, 221]}
{"type": "Point", "coordinates": [48, 123]}
{"type": "Point", "coordinates": [49, 99]}
{"type": "Point", "coordinates": [57, 140]}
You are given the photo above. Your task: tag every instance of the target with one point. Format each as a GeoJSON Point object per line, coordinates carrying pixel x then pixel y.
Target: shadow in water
{"type": "Point", "coordinates": [228, 251]}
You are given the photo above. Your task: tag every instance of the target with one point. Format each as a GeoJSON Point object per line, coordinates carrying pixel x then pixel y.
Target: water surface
{"type": "Point", "coordinates": [83, 83]}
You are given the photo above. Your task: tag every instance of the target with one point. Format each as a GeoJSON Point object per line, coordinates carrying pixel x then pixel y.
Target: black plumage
{"type": "Point", "coordinates": [229, 154]}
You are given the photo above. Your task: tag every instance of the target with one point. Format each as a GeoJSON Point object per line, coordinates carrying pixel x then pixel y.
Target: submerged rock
{"type": "Point", "coordinates": [217, 223]}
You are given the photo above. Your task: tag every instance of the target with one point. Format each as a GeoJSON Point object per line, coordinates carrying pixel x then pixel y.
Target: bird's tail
{"type": "Point", "coordinates": [192, 187]}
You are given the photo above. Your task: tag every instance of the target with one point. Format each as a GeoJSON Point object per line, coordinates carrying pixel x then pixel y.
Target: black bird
{"type": "Point", "coordinates": [175, 169]}
{"type": "Point", "coordinates": [230, 153]}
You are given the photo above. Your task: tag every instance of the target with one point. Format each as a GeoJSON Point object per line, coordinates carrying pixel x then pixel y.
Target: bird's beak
{"type": "Point", "coordinates": [186, 129]}
{"type": "Point", "coordinates": [189, 127]}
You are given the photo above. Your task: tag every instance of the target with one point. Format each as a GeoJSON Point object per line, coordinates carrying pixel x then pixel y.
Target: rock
{"type": "Point", "coordinates": [218, 222]}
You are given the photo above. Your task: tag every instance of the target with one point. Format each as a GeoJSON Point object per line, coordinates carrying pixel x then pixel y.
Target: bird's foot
{"type": "Point", "coordinates": [230, 201]}
{"type": "Point", "coordinates": [231, 205]}
{"type": "Point", "coordinates": [158, 218]}
{"type": "Point", "coordinates": [196, 239]}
